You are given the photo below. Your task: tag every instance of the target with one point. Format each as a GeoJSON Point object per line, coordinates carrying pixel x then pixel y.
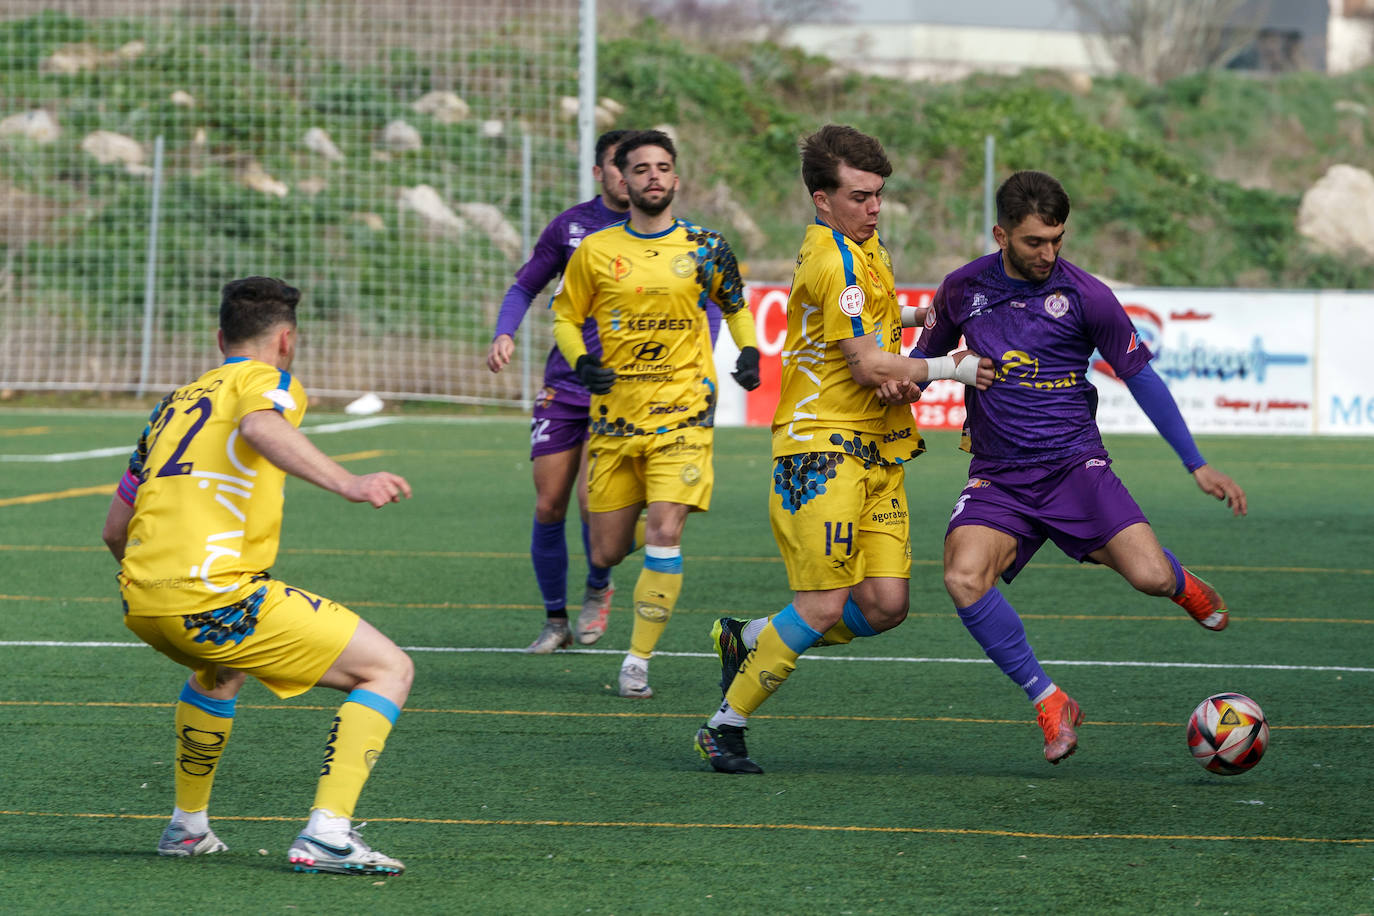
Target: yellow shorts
{"type": "Point", "coordinates": [837, 523]}
{"type": "Point", "coordinates": [672, 467]}
{"type": "Point", "coordinates": [282, 635]}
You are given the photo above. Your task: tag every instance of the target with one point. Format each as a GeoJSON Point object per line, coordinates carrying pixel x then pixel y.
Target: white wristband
{"type": "Point", "coordinates": [908, 316]}
{"type": "Point", "coordinates": [967, 371]}
{"type": "Point", "coordinates": [938, 367]}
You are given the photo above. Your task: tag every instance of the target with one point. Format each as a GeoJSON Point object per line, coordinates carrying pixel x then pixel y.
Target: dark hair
{"type": "Point", "coordinates": [1030, 192]}
{"type": "Point", "coordinates": [254, 305]}
{"type": "Point", "coordinates": [823, 151]}
{"type": "Point", "coordinates": [607, 140]}
{"type": "Point", "coordinates": [639, 138]}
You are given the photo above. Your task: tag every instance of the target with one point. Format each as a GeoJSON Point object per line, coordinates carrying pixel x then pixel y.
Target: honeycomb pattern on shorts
{"type": "Point", "coordinates": [865, 451]}
{"type": "Point", "coordinates": [234, 623]}
{"type": "Point", "coordinates": [798, 479]}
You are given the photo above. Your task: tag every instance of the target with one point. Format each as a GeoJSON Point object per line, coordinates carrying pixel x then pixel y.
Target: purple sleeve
{"type": "Point", "coordinates": [546, 262]}
{"type": "Point", "coordinates": [513, 308]}
{"type": "Point", "coordinates": [1110, 330]}
{"type": "Point", "coordinates": [1159, 405]}
{"type": "Point", "coordinates": [941, 333]}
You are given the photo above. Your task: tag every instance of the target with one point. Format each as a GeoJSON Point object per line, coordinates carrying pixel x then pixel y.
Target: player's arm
{"type": "Point", "coordinates": [545, 263]}
{"type": "Point", "coordinates": [1159, 405]}
{"type": "Point", "coordinates": [571, 306]}
{"type": "Point", "coordinates": [288, 448]}
{"type": "Point", "coordinates": [115, 534]}
{"type": "Point", "coordinates": [728, 293]}
{"type": "Point", "coordinates": [873, 367]}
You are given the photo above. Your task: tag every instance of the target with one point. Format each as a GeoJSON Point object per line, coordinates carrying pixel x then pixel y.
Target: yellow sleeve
{"type": "Point", "coordinates": [741, 325]}
{"type": "Point", "coordinates": [571, 305]}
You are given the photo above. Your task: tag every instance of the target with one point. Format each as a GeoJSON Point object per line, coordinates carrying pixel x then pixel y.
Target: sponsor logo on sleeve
{"type": "Point", "coordinates": [852, 301]}
{"type": "Point", "coordinates": [281, 397]}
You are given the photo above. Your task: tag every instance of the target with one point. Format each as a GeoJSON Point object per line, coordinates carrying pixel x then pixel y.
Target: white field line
{"type": "Point", "coordinates": [57, 457]}
{"type": "Point", "coordinates": [905, 660]}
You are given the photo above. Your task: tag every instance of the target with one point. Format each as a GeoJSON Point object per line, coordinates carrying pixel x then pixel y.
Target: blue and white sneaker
{"type": "Point", "coordinates": [344, 854]}
{"type": "Point", "coordinates": [178, 841]}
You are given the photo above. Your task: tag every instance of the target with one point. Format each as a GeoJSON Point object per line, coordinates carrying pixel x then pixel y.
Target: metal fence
{"type": "Point", "coordinates": [378, 154]}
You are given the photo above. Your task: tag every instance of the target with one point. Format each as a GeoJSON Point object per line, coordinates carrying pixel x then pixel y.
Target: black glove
{"type": "Point", "coordinates": [598, 380]}
{"type": "Point", "coordinates": [747, 368]}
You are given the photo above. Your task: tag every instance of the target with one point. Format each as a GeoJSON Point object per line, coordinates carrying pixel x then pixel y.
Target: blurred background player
{"type": "Point", "coordinates": [558, 429]}
{"type": "Point", "coordinates": [838, 502]}
{"type": "Point", "coordinates": [195, 524]}
{"type": "Point", "coordinates": [648, 283]}
{"type": "Point", "coordinates": [1039, 469]}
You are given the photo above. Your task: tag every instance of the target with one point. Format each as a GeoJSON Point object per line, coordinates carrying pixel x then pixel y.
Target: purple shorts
{"type": "Point", "coordinates": [556, 426]}
{"type": "Point", "coordinates": [1079, 505]}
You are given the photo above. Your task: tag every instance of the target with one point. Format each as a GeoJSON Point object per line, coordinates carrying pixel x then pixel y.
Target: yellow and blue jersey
{"type": "Point", "coordinates": [840, 290]}
{"type": "Point", "coordinates": [649, 297]}
{"type": "Point", "coordinates": [207, 506]}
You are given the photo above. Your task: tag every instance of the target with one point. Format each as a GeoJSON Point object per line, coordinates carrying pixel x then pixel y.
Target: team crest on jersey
{"type": "Point", "coordinates": [884, 257]}
{"type": "Point", "coordinates": [620, 267]}
{"type": "Point", "coordinates": [281, 397]}
{"type": "Point", "coordinates": [852, 301]}
{"type": "Point", "coordinates": [684, 266]}
{"type": "Point", "coordinates": [691, 475]}
{"type": "Point", "coordinates": [1057, 305]}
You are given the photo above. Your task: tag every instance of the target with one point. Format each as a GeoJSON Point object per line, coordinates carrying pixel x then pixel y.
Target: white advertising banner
{"type": "Point", "coordinates": [1236, 361]}
{"type": "Point", "coordinates": [1345, 375]}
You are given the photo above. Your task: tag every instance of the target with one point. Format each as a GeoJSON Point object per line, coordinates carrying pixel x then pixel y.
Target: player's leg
{"type": "Point", "coordinates": [1136, 554]}
{"type": "Point", "coordinates": [656, 593]}
{"type": "Point", "coordinates": [557, 438]}
{"type": "Point", "coordinates": [974, 557]}
{"type": "Point", "coordinates": [203, 720]}
{"type": "Point", "coordinates": [596, 599]}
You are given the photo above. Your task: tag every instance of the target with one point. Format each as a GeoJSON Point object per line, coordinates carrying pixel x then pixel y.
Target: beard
{"type": "Point", "coordinates": [1026, 268]}
{"type": "Point", "coordinates": [654, 207]}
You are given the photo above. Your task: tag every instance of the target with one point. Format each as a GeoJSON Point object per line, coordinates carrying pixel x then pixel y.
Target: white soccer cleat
{"type": "Point", "coordinates": [596, 610]}
{"type": "Point", "coordinates": [555, 635]}
{"type": "Point", "coordinates": [634, 682]}
{"type": "Point", "coordinates": [178, 841]}
{"type": "Point", "coordinates": [341, 854]}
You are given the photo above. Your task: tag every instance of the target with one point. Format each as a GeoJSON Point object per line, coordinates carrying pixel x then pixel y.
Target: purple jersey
{"type": "Point", "coordinates": [1041, 407]}
{"type": "Point", "coordinates": [556, 244]}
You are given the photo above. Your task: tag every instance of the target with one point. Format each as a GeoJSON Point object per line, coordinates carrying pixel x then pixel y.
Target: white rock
{"type": "Point", "coordinates": [254, 176]}
{"type": "Point", "coordinates": [568, 107]}
{"type": "Point", "coordinates": [494, 225]}
{"type": "Point", "coordinates": [36, 125]}
{"type": "Point", "coordinates": [108, 147]}
{"type": "Point", "coordinates": [1337, 213]}
{"type": "Point", "coordinates": [445, 107]}
{"type": "Point", "coordinates": [183, 99]}
{"type": "Point", "coordinates": [493, 128]}
{"type": "Point", "coordinates": [426, 201]}
{"type": "Point", "coordinates": [400, 136]}
{"type": "Point", "coordinates": [317, 140]}
{"type": "Point", "coordinates": [312, 185]}
{"type": "Point", "coordinates": [371, 220]}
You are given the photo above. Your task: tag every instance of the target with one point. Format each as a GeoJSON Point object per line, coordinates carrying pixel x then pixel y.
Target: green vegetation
{"type": "Point", "coordinates": [1194, 183]}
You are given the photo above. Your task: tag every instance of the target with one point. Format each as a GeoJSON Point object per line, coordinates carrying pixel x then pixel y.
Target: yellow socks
{"type": "Point", "coordinates": [360, 730]}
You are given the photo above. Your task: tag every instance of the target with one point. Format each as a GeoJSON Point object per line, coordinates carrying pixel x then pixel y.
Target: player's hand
{"type": "Point", "coordinates": [502, 346]}
{"type": "Point", "coordinates": [747, 368]}
{"type": "Point", "coordinates": [378, 488]}
{"type": "Point", "coordinates": [899, 391]}
{"type": "Point", "coordinates": [594, 377]}
{"type": "Point", "coordinates": [972, 369]}
{"type": "Point", "coordinates": [1216, 484]}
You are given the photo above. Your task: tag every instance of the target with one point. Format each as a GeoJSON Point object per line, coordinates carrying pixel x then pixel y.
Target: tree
{"type": "Point", "coordinates": [1158, 40]}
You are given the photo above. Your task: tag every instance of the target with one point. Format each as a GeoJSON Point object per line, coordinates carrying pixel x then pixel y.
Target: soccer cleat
{"type": "Point", "coordinates": [724, 749]}
{"type": "Point", "coordinates": [342, 855]}
{"type": "Point", "coordinates": [727, 635]}
{"type": "Point", "coordinates": [553, 637]}
{"type": "Point", "coordinates": [1202, 603]}
{"type": "Point", "coordinates": [1058, 716]}
{"type": "Point", "coordinates": [634, 682]}
{"type": "Point", "coordinates": [596, 609]}
{"type": "Point", "coordinates": [178, 841]}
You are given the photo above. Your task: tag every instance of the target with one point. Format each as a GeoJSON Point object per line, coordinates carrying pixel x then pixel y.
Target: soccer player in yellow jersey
{"type": "Point", "coordinates": [195, 524]}
{"type": "Point", "coordinates": [838, 503]}
{"type": "Point", "coordinates": [647, 282]}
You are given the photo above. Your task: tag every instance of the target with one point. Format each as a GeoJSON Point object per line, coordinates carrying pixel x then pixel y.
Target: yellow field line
{"type": "Point", "coordinates": [561, 714]}
{"type": "Point", "coordinates": [26, 431]}
{"type": "Point", "coordinates": [104, 489]}
{"type": "Point", "coordinates": [676, 825]}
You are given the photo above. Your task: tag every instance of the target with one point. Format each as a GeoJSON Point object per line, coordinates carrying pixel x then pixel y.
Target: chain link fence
{"type": "Point", "coordinates": [389, 157]}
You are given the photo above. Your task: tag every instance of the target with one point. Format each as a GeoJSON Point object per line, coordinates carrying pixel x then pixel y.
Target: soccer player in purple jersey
{"type": "Point", "coordinates": [1039, 469]}
{"type": "Point", "coordinates": [558, 429]}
